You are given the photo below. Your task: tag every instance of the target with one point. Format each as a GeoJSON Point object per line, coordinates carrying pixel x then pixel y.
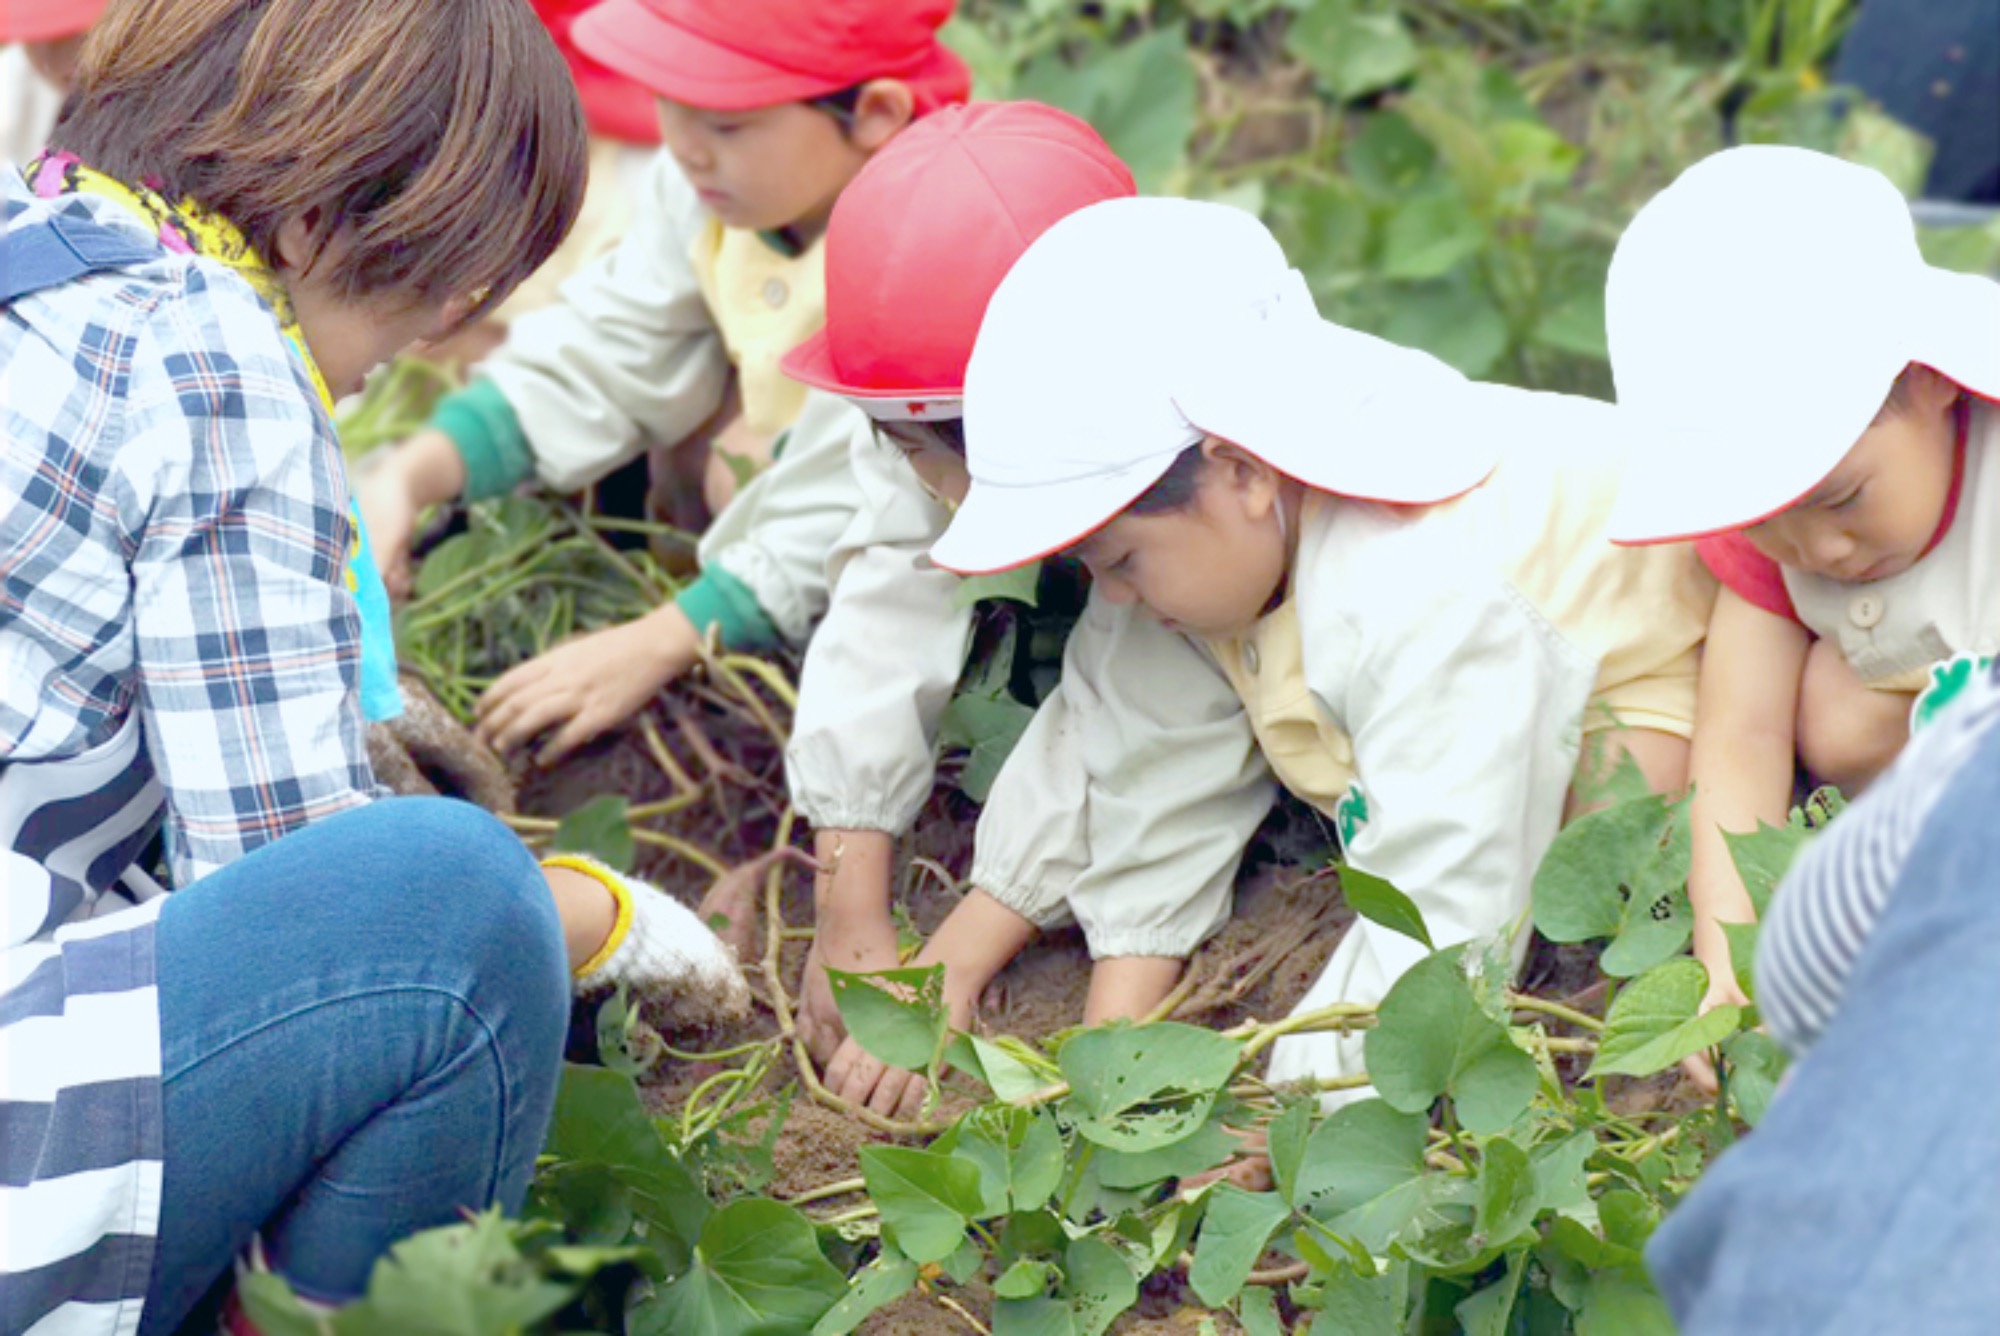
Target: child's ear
{"type": "Point", "coordinates": [884, 108]}
{"type": "Point", "coordinates": [1250, 477]}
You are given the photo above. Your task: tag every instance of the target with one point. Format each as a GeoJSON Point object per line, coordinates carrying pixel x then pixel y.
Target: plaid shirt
{"type": "Point", "coordinates": [173, 524]}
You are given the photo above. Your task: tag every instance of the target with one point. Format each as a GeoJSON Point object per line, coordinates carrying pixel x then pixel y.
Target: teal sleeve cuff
{"type": "Point", "coordinates": [487, 432]}
{"type": "Point", "coordinates": [717, 598]}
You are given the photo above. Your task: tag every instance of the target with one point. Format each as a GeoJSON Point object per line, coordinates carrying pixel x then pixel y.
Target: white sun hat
{"type": "Point", "coordinates": [1135, 327]}
{"type": "Point", "coordinates": [1758, 310]}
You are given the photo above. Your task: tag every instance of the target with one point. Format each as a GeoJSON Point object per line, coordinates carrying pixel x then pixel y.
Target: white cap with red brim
{"type": "Point", "coordinates": [1758, 311]}
{"type": "Point", "coordinates": [1134, 328]}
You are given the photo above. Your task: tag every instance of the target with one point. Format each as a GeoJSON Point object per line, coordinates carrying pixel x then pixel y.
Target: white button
{"type": "Point", "coordinates": [775, 292]}
{"type": "Point", "coordinates": [1865, 611]}
{"type": "Point", "coordinates": [1250, 657]}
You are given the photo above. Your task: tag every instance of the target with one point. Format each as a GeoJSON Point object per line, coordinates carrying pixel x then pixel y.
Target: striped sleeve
{"type": "Point", "coordinates": [1823, 913]}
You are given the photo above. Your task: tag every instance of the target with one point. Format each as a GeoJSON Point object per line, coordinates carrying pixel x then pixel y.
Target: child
{"type": "Point", "coordinates": [768, 110]}
{"type": "Point", "coordinates": [1404, 574]}
{"type": "Point", "coordinates": [346, 1022]}
{"type": "Point", "coordinates": [1129, 798]}
{"type": "Point", "coordinates": [1816, 407]}
{"type": "Point", "coordinates": [36, 69]}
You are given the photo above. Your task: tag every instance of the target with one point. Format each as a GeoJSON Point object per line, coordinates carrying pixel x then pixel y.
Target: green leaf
{"type": "Point", "coordinates": [1352, 49]}
{"type": "Point", "coordinates": [926, 1199]}
{"type": "Point", "coordinates": [599, 828]}
{"type": "Point", "coordinates": [1257, 1310]}
{"type": "Point", "coordinates": [1363, 1174]}
{"type": "Point", "coordinates": [1755, 1065]}
{"type": "Point", "coordinates": [1432, 1038]}
{"type": "Point", "coordinates": [1234, 1233]}
{"type": "Point", "coordinates": [887, 1279]}
{"type": "Point", "coordinates": [1140, 95]}
{"type": "Point", "coordinates": [461, 1280]}
{"type": "Point", "coordinates": [1488, 1312]}
{"type": "Point", "coordinates": [1652, 1024]}
{"type": "Point", "coordinates": [1429, 236]}
{"type": "Point", "coordinates": [1002, 1067]}
{"type": "Point", "coordinates": [1742, 939]}
{"type": "Point", "coordinates": [1762, 858]}
{"type": "Point", "coordinates": [592, 1201]}
{"type": "Point", "coordinates": [1025, 1279]}
{"type": "Point", "coordinates": [1507, 1203]}
{"type": "Point", "coordinates": [1351, 1303]}
{"type": "Point", "coordinates": [899, 1016]}
{"type": "Point", "coordinates": [1458, 323]}
{"type": "Point", "coordinates": [1018, 1152]}
{"type": "Point", "coordinates": [599, 1120]}
{"type": "Point", "coordinates": [1100, 1284]}
{"type": "Point", "coordinates": [1560, 1182]}
{"type": "Point", "coordinates": [1389, 156]}
{"type": "Point", "coordinates": [963, 1262]}
{"type": "Point", "coordinates": [758, 1271]}
{"type": "Point", "coordinates": [1622, 1303]}
{"type": "Point", "coordinates": [270, 1303]}
{"type": "Point", "coordinates": [1285, 1141]}
{"type": "Point", "coordinates": [1619, 872]}
{"type": "Point", "coordinates": [1379, 902]}
{"type": "Point", "coordinates": [1033, 1317]}
{"type": "Point", "coordinates": [1023, 584]}
{"type": "Point", "coordinates": [1210, 1146]}
{"type": "Point", "coordinates": [1573, 321]}
{"type": "Point", "coordinates": [988, 727]}
{"type": "Point", "coordinates": [1140, 1088]}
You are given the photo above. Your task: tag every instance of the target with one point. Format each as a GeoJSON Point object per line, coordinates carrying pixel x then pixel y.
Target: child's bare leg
{"type": "Point", "coordinates": [1848, 732]}
{"type": "Point", "coordinates": [1661, 757]}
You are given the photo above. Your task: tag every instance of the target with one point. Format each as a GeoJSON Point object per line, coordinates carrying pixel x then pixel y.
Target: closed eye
{"type": "Point", "coordinates": [1850, 498]}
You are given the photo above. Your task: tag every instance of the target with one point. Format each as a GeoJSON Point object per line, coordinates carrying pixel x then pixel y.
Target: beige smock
{"type": "Point", "coordinates": [28, 107]}
{"type": "Point", "coordinates": [1127, 802]}
{"type": "Point", "coordinates": [1891, 631]}
{"type": "Point", "coordinates": [635, 355]}
{"type": "Point", "coordinates": [1431, 674]}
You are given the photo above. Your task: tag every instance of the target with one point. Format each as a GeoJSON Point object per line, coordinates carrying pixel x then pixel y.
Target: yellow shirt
{"type": "Point", "coordinates": [764, 304]}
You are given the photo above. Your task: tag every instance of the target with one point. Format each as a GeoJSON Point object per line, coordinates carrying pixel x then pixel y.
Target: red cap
{"type": "Point", "coordinates": [616, 107]}
{"type": "Point", "coordinates": [736, 55]}
{"type": "Point", "coordinates": [925, 232]}
{"type": "Point", "coordinates": [46, 20]}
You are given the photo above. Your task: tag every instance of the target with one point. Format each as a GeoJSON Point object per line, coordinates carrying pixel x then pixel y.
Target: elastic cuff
{"type": "Point", "coordinates": [1033, 903]}
{"type": "Point", "coordinates": [487, 432]}
{"type": "Point", "coordinates": [1110, 945]}
{"type": "Point", "coordinates": [717, 598]}
{"type": "Point", "coordinates": [621, 926]}
{"type": "Point", "coordinates": [851, 818]}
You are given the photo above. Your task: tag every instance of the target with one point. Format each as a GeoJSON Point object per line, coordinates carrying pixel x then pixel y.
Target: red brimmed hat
{"type": "Point", "coordinates": [616, 107]}
{"type": "Point", "coordinates": [47, 20]}
{"type": "Point", "coordinates": [737, 55]}
{"type": "Point", "coordinates": [923, 235]}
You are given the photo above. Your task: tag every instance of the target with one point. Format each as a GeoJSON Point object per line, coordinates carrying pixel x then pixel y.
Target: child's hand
{"type": "Point", "coordinates": [856, 1074]}
{"type": "Point", "coordinates": [855, 944]}
{"type": "Point", "coordinates": [393, 489]}
{"type": "Point", "coordinates": [1722, 991]}
{"type": "Point", "coordinates": [587, 686]}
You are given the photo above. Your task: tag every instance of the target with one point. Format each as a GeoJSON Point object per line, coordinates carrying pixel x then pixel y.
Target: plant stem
{"type": "Point", "coordinates": [1525, 1002]}
{"type": "Point", "coordinates": [959, 1309]}
{"type": "Point", "coordinates": [846, 1187]}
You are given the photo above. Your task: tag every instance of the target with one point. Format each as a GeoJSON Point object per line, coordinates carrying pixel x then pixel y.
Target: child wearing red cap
{"type": "Point", "coordinates": [1818, 407]}
{"type": "Point", "coordinates": [1402, 573]}
{"type": "Point", "coordinates": [44, 38]}
{"type": "Point", "coordinates": [767, 111]}
{"type": "Point", "coordinates": [1140, 761]}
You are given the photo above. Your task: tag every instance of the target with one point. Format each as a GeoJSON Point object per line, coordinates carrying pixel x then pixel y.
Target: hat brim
{"type": "Point", "coordinates": [685, 67]}
{"type": "Point", "coordinates": [29, 21]}
{"type": "Point", "coordinates": [1685, 482]}
{"type": "Point", "coordinates": [811, 363]}
{"type": "Point", "coordinates": [1347, 413]}
{"type": "Point", "coordinates": [998, 528]}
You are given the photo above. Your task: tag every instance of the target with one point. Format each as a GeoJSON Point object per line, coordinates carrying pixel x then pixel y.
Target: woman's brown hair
{"type": "Point", "coordinates": [441, 141]}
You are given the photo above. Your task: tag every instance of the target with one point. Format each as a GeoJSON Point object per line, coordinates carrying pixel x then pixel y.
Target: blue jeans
{"type": "Point", "coordinates": [361, 1032]}
{"type": "Point", "coordinates": [1869, 1198]}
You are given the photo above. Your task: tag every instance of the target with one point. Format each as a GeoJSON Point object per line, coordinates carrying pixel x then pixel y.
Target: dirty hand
{"type": "Point", "coordinates": [856, 1074]}
{"type": "Point", "coordinates": [1722, 991]}
{"type": "Point", "coordinates": [857, 944]}
{"type": "Point", "coordinates": [587, 686]}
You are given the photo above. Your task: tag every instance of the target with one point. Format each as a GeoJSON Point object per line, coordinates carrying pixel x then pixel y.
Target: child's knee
{"type": "Point", "coordinates": [1848, 732]}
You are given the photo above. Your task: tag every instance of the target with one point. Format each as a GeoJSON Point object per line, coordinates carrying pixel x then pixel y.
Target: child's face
{"type": "Point", "coordinates": [1878, 510]}
{"type": "Point", "coordinates": [763, 170]}
{"type": "Point", "coordinates": [350, 336]}
{"type": "Point", "coordinates": [1210, 569]}
{"type": "Point", "coordinates": [940, 468]}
